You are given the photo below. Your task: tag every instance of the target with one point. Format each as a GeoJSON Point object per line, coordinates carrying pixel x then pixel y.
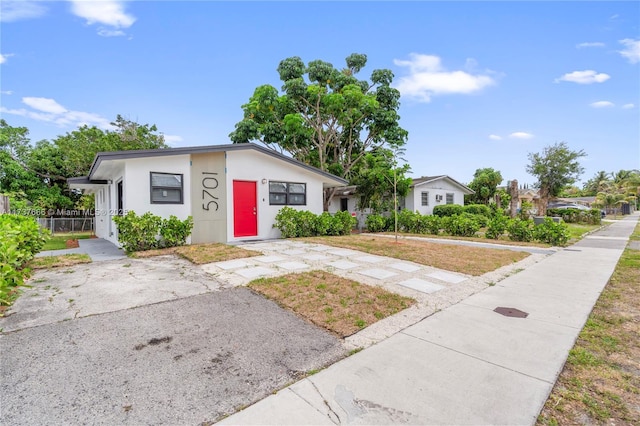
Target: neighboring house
{"type": "Point", "coordinates": [425, 193]}
{"type": "Point", "coordinates": [233, 192]}
{"type": "Point", "coordinates": [429, 191]}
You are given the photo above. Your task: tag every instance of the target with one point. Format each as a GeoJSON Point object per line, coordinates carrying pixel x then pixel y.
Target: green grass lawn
{"type": "Point", "coordinates": [578, 230]}
{"type": "Point", "coordinates": [59, 241]}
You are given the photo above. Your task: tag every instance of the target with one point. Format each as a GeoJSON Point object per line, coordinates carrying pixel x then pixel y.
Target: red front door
{"type": "Point", "coordinates": [245, 209]}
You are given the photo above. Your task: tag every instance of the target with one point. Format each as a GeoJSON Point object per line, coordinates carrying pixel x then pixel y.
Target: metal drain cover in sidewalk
{"type": "Point", "coordinates": [511, 312]}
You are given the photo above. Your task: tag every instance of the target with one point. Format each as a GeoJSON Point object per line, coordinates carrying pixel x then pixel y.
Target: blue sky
{"type": "Point", "coordinates": [483, 83]}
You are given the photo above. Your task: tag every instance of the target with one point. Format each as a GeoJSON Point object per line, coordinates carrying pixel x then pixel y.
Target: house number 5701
{"type": "Point", "coordinates": [209, 182]}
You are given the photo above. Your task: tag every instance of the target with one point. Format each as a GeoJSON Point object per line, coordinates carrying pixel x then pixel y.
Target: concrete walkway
{"type": "Point", "coordinates": [466, 364]}
{"type": "Point", "coordinates": [98, 250]}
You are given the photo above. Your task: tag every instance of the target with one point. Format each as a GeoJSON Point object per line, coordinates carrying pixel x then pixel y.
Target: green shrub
{"type": "Point", "coordinates": [496, 226]}
{"type": "Point", "coordinates": [286, 222]}
{"type": "Point", "coordinates": [590, 217]}
{"type": "Point", "coordinates": [344, 222]}
{"type": "Point", "coordinates": [21, 239]}
{"type": "Point", "coordinates": [432, 224]}
{"type": "Point", "coordinates": [407, 221]}
{"type": "Point", "coordinates": [174, 232]}
{"type": "Point", "coordinates": [444, 210]}
{"type": "Point", "coordinates": [294, 223]}
{"type": "Point", "coordinates": [479, 209]}
{"type": "Point", "coordinates": [376, 223]}
{"type": "Point", "coordinates": [551, 232]}
{"type": "Point", "coordinates": [520, 229]}
{"type": "Point", "coordinates": [480, 218]}
{"type": "Point", "coordinates": [461, 225]}
{"type": "Point", "coordinates": [147, 232]}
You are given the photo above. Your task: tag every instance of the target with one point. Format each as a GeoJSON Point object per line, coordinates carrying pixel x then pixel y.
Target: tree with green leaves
{"type": "Point", "coordinates": [485, 183]}
{"type": "Point", "coordinates": [81, 146]}
{"type": "Point", "coordinates": [597, 183]}
{"type": "Point", "coordinates": [379, 180]}
{"type": "Point", "coordinates": [555, 167]}
{"type": "Point", "coordinates": [325, 116]}
{"type": "Point", "coordinates": [37, 175]}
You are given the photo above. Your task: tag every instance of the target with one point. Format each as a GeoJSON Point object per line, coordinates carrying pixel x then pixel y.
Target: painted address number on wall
{"type": "Point", "coordinates": [209, 182]}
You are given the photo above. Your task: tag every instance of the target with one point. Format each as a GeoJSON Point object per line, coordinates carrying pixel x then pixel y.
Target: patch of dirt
{"type": "Point", "coordinates": [73, 243]}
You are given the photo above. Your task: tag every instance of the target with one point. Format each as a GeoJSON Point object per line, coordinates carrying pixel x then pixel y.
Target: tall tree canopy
{"type": "Point", "coordinates": [555, 167]}
{"type": "Point", "coordinates": [37, 174]}
{"type": "Point", "coordinates": [325, 117]}
{"type": "Point", "coordinates": [485, 182]}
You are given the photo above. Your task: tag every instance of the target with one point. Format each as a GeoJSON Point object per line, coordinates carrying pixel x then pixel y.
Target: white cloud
{"type": "Point", "coordinates": [495, 137]}
{"type": "Point", "coordinates": [46, 109]}
{"type": "Point", "coordinates": [628, 106]}
{"type": "Point", "coordinates": [105, 12]}
{"type": "Point", "coordinates": [427, 77]}
{"type": "Point", "coordinates": [10, 92]}
{"type": "Point", "coordinates": [44, 105]}
{"type": "Point", "coordinates": [584, 77]}
{"type": "Point", "coordinates": [3, 57]}
{"type": "Point", "coordinates": [11, 11]}
{"type": "Point", "coordinates": [110, 33]}
{"type": "Point", "coordinates": [172, 139]}
{"type": "Point", "coordinates": [601, 104]}
{"type": "Point", "coordinates": [521, 135]}
{"type": "Point", "coordinates": [590, 44]}
{"type": "Point", "coordinates": [631, 50]}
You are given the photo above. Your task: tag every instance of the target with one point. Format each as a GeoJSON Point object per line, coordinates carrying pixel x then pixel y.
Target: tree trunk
{"type": "Point", "coordinates": [513, 191]}
{"type": "Point", "coordinates": [544, 200]}
{"type": "Point", "coordinates": [328, 196]}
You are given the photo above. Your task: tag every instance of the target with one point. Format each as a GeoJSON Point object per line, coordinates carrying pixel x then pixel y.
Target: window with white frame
{"type": "Point", "coordinates": [166, 188]}
{"type": "Point", "coordinates": [287, 193]}
{"type": "Point", "coordinates": [449, 197]}
{"type": "Point", "coordinates": [424, 196]}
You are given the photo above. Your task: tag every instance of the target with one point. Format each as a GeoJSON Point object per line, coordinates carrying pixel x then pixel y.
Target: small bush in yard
{"type": "Point", "coordinates": [147, 232]}
{"type": "Point", "coordinates": [376, 223]}
{"type": "Point", "coordinates": [174, 232]}
{"type": "Point", "coordinates": [461, 225]}
{"type": "Point", "coordinates": [407, 221]}
{"type": "Point", "coordinates": [551, 232]}
{"type": "Point", "coordinates": [294, 223]}
{"type": "Point", "coordinates": [496, 226]}
{"type": "Point", "coordinates": [21, 239]}
{"type": "Point", "coordinates": [345, 222]}
{"type": "Point", "coordinates": [448, 210]}
{"type": "Point", "coordinates": [479, 209]}
{"type": "Point", "coordinates": [520, 229]}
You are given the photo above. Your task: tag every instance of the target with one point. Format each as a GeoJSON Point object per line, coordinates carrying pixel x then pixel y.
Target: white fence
{"type": "Point", "coordinates": [65, 225]}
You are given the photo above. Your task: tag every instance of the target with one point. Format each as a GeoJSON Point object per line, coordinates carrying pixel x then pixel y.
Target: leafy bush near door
{"type": "Point", "coordinates": [148, 231]}
{"type": "Point", "coordinates": [21, 239]}
{"type": "Point", "coordinates": [294, 223]}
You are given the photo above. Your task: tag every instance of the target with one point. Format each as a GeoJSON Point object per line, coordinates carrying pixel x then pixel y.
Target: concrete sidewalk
{"type": "Point", "coordinates": [466, 364]}
{"type": "Point", "coordinates": [98, 250]}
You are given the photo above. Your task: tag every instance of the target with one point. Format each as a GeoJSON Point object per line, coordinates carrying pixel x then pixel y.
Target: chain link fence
{"type": "Point", "coordinates": [66, 225]}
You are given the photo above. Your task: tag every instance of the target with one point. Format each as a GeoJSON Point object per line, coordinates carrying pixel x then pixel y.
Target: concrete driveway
{"type": "Point", "coordinates": [147, 341]}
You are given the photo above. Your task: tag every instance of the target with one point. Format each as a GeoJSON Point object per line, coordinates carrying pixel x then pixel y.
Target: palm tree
{"type": "Point", "coordinates": [597, 183]}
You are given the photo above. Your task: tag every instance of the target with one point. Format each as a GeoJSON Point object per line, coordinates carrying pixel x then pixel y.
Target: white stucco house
{"type": "Point", "coordinates": [233, 192]}
{"type": "Point", "coordinates": [429, 191]}
{"type": "Point", "coordinates": [424, 194]}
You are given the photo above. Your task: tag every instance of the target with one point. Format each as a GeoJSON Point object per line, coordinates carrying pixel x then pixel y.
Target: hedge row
{"type": "Point", "coordinates": [444, 210]}
{"type": "Point", "coordinates": [147, 232]}
{"type": "Point", "coordinates": [467, 225]}
{"type": "Point", "coordinates": [21, 239]}
{"type": "Point", "coordinates": [590, 217]}
{"type": "Point", "coordinates": [294, 223]}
